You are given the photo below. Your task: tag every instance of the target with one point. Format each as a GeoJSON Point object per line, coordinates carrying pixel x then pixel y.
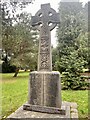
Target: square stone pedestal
{"type": "Point", "coordinates": [45, 89]}
{"type": "Point", "coordinates": [70, 108]}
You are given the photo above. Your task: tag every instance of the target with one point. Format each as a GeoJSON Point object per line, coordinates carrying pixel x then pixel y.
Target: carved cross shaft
{"type": "Point", "coordinates": [46, 20]}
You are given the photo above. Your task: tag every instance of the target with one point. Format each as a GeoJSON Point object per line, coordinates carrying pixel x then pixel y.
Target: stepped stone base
{"type": "Point", "coordinates": [71, 112]}
{"type": "Point", "coordinates": [45, 109]}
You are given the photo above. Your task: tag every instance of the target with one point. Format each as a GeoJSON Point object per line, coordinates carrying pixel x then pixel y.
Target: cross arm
{"type": "Point", "coordinates": [55, 18]}
{"type": "Point", "coordinates": [35, 20]}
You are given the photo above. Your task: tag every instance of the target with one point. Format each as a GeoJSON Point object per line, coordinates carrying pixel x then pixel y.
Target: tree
{"type": "Point", "coordinates": [19, 41]}
{"type": "Point", "coordinates": [26, 40]}
{"type": "Point", "coordinates": [22, 44]}
{"type": "Point", "coordinates": [9, 18]}
{"type": "Point", "coordinates": [72, 43]}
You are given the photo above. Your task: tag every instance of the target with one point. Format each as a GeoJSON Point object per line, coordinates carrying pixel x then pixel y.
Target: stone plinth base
{"type": "Point", "coordinates": [20, 114]}
{"type": "Point", "coordinates": [45, 89]}
{"type": "Point", "coordinates": [44, 109]}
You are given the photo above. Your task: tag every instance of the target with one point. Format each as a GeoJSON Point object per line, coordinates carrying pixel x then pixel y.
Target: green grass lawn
{"type": "Point", "coordinates": [15, 92]}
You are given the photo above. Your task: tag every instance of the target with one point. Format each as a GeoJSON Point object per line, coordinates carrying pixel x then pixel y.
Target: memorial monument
{"type": "Point", "coordinates": [44, 96]}
{"type": "Point", "coordinates": [45, 84]}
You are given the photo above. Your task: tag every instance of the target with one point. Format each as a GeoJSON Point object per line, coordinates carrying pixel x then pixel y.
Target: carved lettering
{"type": "Point", "coordinates": [44, 45]}
{"type": "Point", "coordinates": [44, 61]}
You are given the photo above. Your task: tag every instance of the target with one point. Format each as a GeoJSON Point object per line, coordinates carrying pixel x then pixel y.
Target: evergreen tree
{"type": "Point", "coordinates": [72, 44]}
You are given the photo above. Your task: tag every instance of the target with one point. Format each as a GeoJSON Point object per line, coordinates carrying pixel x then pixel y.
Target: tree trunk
{"type": "Point", "coordinates": [16, 72]}
{"type": "Point", "coordinates": [25, 70]}
{"type": "Point", "coordinates": [89, 66]}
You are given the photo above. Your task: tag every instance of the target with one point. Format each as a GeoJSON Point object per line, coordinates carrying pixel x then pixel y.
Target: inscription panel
{"type": "Point", "coordinates": [35, 89]}
{"type": "Point", "coordinates": [44, 62]}
{"type": "Point", "coordinates": [44, 46]}
{"type": "Point", "coordinates": [52, 90]}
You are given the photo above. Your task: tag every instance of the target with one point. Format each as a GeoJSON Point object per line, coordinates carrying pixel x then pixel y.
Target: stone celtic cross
{"type": "Point", "coordinates": [46, 20]}
{"type": "Point", "coordinates": [44, 84]}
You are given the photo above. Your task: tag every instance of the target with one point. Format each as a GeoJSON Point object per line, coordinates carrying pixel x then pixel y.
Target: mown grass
{"type": "Point", "coordinates": [15, 92]}
{"type": "Point", "coordinates": [81, 98]}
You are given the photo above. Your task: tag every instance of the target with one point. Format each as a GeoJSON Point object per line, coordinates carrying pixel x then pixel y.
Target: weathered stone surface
{"type": "Point", "coordinates": [44, 109]}
{"type": "Point", "coordinates": [42, 20]}
{"type": "Point", "coordinates": [74, 115]}
{"type": "Point", "coordinates": [21, 114]}
{"type": "Point", "coordinates": [74, 105]}
{"type": "Point", "coordinates": [74, 110]}
{"type": "Point", "coordinates": [44, 89]}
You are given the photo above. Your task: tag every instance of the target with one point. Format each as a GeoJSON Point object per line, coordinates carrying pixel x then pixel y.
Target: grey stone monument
{"type": "Point", "coordinates": [44, 97]}
{"type": "Point", "coordinates": [45, 84]}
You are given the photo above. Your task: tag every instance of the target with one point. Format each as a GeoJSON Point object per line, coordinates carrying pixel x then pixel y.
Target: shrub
{"type": "Point", "coordinates": [73, 81]}
{"type": "Point", "coordinates": [7, 68]}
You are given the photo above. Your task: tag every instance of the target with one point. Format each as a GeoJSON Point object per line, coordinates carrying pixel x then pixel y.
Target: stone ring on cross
{"type": "Point", "coordinates": [46, 16]}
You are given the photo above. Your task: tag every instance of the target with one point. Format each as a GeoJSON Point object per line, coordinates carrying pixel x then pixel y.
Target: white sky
{"type": "Point", "coordinates": [33, 8]}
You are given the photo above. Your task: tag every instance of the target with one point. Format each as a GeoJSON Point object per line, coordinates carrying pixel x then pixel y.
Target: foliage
{"type": "Point", "coordinates": [72, 49]}
{"type": "Point", "coordinates": [7, 68]}
{"type": "Point", "coordinates": [15, 92]}
{"type": "Point", "coordinates": [19, 40]}
{"type": "Point", "coordinates": [54, 59]}
{"type": "Point", "coordinates": [5, 65]}
{"type": "Point", "coordinates": [25, 44]}
{"type": "Point", "coordinates": [71, 66]}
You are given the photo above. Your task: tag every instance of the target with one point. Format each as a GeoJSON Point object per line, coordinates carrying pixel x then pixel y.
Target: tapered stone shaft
{"type": "Point", "coordinates": [44, 56]}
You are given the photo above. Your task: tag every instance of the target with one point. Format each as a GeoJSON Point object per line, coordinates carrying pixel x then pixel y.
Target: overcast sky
{"type": "Point", "coordinates": [33, 8]}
